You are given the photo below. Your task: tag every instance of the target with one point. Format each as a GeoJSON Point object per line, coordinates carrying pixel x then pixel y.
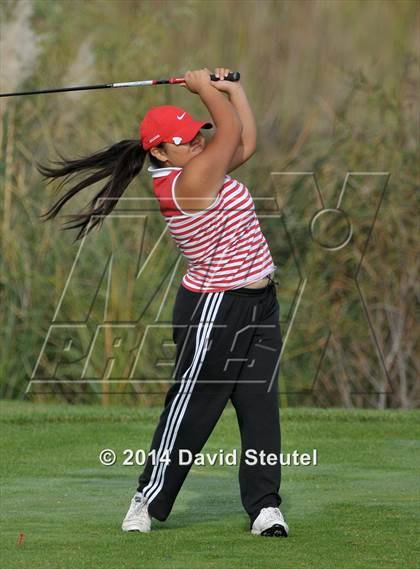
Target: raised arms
{"type": "Point", "coordinates": [239, 100]}
{"type": "Point", "coordinates": [203, 176]}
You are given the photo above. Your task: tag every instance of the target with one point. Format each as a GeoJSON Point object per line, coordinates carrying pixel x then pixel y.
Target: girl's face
{"type": "Point", "coordinates": [180, 155]}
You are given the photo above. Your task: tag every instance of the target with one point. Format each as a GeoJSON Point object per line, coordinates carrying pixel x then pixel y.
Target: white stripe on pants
{"type": "Point", "coordinates": [183, 396]}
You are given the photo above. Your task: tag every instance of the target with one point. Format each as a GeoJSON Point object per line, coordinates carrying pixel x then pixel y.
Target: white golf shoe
{"type": "Point", "coordinates": [137, 517]}
{"type": "Point", "coordinates": [270, 522]}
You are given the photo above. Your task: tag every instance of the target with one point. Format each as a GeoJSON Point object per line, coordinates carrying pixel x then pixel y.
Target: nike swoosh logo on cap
{"type": "Point", "coordinates": [181, 117]}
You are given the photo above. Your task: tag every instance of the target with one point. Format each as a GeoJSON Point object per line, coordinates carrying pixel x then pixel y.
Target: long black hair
{"type": "Point", "coordinates": [121, 162]}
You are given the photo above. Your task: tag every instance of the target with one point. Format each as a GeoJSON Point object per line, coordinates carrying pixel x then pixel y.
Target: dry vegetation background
{"type": "Point", "coordinates": [334, 86]}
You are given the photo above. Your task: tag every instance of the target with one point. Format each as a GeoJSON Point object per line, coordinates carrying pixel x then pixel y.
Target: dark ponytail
{"type": "Point", "coordinates": [121, 162]}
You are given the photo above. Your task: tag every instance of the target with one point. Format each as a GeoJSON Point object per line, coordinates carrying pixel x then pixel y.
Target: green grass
{"type": "Point", "coordinates": [357, 509]}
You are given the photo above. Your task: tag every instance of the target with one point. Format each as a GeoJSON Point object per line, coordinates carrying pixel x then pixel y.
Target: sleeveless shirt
{"type": "Point", "coordinates": [223, 244]}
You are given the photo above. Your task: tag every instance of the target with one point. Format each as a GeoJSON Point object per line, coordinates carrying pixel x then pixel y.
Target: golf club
{"type": "Point", "coordinates": [232, 76]}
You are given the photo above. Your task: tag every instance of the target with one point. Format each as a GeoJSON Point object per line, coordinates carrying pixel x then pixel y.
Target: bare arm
{"type": "Point", "coordinates": [206, 172]}
{"type": "Point", "coordinates": [239, 100]}
{"type": "Point", "coordinates": [248, 142]}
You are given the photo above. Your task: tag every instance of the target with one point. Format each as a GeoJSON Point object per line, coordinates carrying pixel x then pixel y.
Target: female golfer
{"type": "Point", "coordinates": [226, 313]}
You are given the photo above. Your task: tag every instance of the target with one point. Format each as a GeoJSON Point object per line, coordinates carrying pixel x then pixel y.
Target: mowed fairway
{"type": "Point", "coordinates": [358, 508]}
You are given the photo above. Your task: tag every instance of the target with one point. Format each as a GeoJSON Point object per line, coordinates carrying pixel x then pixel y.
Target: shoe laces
{"type": "Point", "coordinates": [272, 514]}
{"type": "Point", "coordinates": [139, 507]}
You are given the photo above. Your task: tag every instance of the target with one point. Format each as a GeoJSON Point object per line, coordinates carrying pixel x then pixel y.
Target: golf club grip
{"type": "Point", "coordinates": [232, 76]}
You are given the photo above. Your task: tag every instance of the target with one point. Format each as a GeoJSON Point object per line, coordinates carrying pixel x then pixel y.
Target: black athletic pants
{"type": "Point", "coordinates": [227, 346]}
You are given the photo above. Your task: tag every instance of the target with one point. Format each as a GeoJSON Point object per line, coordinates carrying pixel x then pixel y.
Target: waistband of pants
{"type": "Point", "coordinates": [243, 291]}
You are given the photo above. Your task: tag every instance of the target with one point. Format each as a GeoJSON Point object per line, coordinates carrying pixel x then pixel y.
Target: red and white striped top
{"type": "Point", "coordinates": [223, 244]}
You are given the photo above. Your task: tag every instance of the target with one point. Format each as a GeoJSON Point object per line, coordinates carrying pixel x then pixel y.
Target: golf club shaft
{"type": "Point", "coordinates": [233, 76]}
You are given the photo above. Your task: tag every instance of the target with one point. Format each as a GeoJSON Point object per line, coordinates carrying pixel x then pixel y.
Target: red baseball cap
{"type": "Point", "coordinates": [168, 123]}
